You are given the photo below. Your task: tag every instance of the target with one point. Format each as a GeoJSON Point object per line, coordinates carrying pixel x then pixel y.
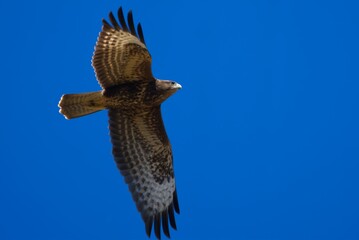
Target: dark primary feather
{"type": "Point", "coordinates": [157, 226]}
{"type": "Point", "coordinates": [144, 157]}
{"type": "Point", "coordinates": [122, 19]}
{"type": "Point", "coordinates": [114, 22]}
{"type": "Point", "coordinates": [175, 202]}
{"type": "Point", "coordinates": [105, 23]}
{"type": "Point", "coordinates": [131, 24]}
{"type": "Point", "coordinates": [140, 33]}
{"type": "Point", "coordinates": [171, 216]}
{"type": "Point", "coordinates": [166, 230]}
{"type": "Point", "coordinates": [148, 225]}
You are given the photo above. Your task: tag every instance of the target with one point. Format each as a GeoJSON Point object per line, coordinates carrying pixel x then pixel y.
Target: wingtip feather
{"type": "Point", "coordinates": [113, 21]}
{"type": "Point", "coordinates": [172, 217]}
{"type": "Point", "coordinates": [105, 23]}
{"type": "Point", "coordinates": [122, 20]}
{"type": "Point", "coordinates": [148, 224]}
{"type": "Point", "coordinates": [131, 23]}
{"type": "Point", "coordinates": [140, 33]}
{"type": "Point", "coordinates": [175, 202]}
{"type": "Point", "coordinates": [165, 228]}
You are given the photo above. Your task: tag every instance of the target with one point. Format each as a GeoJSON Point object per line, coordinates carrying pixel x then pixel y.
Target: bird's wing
{"type": "Point", "coordinates": [144, 157]}
{"type": "Point", "coordinates": [120, 54]}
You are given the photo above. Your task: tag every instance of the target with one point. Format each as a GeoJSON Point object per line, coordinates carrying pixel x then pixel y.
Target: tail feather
{"type": "Point", "coordinates": [78, 105]}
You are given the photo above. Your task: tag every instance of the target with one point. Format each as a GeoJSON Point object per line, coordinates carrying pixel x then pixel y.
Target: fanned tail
{"type": "Point", "coordinates": [78, 105]}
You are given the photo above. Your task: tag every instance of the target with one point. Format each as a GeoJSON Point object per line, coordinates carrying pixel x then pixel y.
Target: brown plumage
{"type": "Point", "coordinates": [133, 97]}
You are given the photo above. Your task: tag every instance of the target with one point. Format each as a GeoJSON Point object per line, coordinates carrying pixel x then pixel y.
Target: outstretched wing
{"type": "Point", "coordinates": [120, 54]}
{"type": "Point", "coordinates": [144, 157]}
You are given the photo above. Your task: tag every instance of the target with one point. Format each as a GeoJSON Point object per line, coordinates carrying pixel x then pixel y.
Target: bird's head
{"type": "Point", "coordinates": [165, 88]}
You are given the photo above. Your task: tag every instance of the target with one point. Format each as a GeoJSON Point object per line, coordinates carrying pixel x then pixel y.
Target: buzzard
{"type": "Point", "coordinates": [133, 97]}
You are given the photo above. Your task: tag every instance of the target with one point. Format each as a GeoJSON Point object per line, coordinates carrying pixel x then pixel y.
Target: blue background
{"type": "Point", "coordinates": [264, 132]}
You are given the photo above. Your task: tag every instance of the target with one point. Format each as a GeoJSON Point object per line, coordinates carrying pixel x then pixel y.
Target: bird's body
{"type": "Point", "coordinates": [133, 97]}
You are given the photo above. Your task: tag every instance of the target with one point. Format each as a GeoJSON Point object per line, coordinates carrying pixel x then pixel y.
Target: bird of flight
{"type": "Point", "coordinates": [133, 97]}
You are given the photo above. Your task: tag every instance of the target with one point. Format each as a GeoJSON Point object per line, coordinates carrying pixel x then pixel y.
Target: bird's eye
{"type": "Point", "coordinates": [173, 83]}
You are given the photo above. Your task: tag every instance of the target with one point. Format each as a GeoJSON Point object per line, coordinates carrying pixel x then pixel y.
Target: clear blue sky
{"type": "Point", "coordinates": [265, 131]}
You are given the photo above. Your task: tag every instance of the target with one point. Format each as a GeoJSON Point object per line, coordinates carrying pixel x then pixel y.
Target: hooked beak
{"type": "Point", "coordinates": [177, 86]}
